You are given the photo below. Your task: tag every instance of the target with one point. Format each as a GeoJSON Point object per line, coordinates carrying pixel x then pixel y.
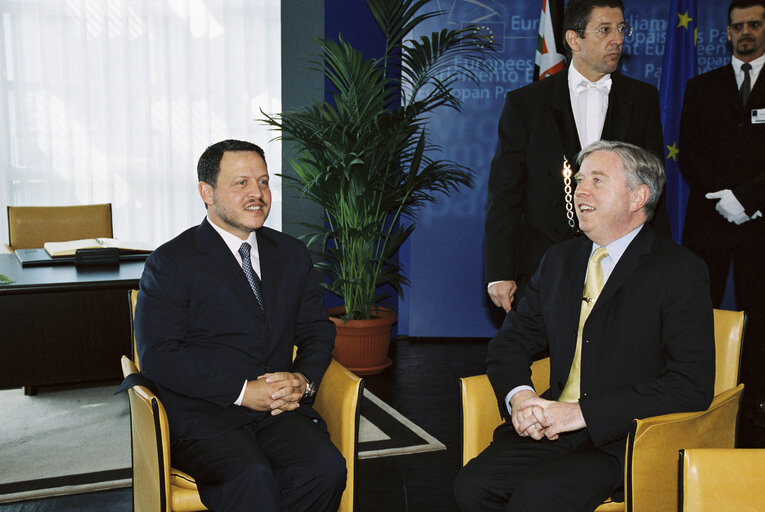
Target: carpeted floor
{"type": "Point", "coordinates": [72, 440]}
{"type": "Point", "coordinates": [78, 440]}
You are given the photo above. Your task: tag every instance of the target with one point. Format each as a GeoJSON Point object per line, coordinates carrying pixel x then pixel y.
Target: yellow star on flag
{"type": "Point", "coordinates": [673, 151]}
{"type": "Point", "coordinates": [684, 20]}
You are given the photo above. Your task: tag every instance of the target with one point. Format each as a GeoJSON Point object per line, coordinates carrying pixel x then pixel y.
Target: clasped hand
{"type": "Point", "coordinates": [276, 392]}
{"type": "Point", "coordinates": [537, 418]}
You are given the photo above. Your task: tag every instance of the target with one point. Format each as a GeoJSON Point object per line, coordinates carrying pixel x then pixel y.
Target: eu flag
{"type": "Point", "coordinates": [679, 65]}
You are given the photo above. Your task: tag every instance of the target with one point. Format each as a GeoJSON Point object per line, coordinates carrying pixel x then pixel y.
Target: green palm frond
{"type": "Point", "coordinates": [397, 19]}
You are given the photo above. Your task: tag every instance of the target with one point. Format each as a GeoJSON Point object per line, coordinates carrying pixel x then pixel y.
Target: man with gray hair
{"type": "Point", "coordinates": [626, 317]}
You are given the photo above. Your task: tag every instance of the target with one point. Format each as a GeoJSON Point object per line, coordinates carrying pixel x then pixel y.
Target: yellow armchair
{"type": "Point", "coordinates": [159, 486]}
{"type": "Point", "coordinates": [156, 482]}
{"type": "Point", "coordinates": [717, 479]}
{"type": "Point", "coordinates": [652, 446]}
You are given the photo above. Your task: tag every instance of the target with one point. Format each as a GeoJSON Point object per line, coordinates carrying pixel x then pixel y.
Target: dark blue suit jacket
{"type": "Point", "coordinates": [201, 333]}
{"type": "Point", "coordinates": [650, 337]}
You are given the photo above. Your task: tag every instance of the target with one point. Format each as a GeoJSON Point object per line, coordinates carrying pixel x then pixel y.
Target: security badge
{"type": "Point", "coordinates": [758, 116]}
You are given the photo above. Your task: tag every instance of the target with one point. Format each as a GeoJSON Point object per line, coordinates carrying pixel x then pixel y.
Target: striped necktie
{"type": "Point", "coordinates": [252, 277]}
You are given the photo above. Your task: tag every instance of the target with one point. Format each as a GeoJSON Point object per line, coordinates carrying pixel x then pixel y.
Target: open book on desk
{"type": "Point", "coordinates": [59, 249]}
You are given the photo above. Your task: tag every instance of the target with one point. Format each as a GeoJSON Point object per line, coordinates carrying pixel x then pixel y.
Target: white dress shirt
{"type": "Point", "coordinates": [233, 243]}
{"type": "Point", "coordinates": [589, 101]}
{"type": "Point", "coordinates": [753, 73]}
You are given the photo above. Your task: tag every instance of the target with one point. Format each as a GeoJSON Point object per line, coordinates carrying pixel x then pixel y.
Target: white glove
{"type": "Point", "coordinates": [729, 207]}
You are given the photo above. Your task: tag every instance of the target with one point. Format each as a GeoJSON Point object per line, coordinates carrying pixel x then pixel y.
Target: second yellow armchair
{"type": "Point", "coordinates": [652, 446]}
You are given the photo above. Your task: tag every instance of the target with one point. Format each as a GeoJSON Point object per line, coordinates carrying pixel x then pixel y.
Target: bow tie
{"type": "Point", "coordinates": [603, 86]}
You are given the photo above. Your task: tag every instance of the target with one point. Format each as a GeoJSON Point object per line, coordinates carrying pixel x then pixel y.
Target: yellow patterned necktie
{"type": "Point", "coordinates": [592, 287]}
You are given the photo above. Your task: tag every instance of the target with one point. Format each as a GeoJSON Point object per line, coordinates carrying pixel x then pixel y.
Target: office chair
{"type": "Point", "coordinates": [29, 227]}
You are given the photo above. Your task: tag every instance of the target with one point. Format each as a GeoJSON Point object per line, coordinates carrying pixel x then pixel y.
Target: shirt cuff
{"type": "Point", "coordinates": [512, 393]}
{"type": "Point", "coordinates": [238, 401]}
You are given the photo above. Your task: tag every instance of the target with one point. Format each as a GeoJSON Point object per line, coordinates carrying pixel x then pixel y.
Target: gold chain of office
{"type": "Point", "coordinates": [569, 193]}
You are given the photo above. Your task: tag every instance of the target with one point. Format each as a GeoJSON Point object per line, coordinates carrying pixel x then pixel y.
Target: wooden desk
{"type": "Point", "coordinates": [62, 325]}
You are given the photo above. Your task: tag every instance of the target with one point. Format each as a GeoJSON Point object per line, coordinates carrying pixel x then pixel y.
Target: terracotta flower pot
{"type": "Point", "coordinates": [362, 345]}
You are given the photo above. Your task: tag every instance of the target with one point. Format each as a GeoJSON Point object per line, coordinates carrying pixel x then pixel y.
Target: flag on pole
{"type": "Point", "coordinates": [550, 56]}
{"type": "Point", "coordinates": [678, 66]}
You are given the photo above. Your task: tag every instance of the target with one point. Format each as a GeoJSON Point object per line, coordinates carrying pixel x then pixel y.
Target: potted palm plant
{"type": "Point", "coordinates": [366, 159]}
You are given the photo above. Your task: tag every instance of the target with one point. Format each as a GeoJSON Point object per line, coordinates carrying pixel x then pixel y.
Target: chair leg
{"type": "Point", "coordinates": [30, 390]}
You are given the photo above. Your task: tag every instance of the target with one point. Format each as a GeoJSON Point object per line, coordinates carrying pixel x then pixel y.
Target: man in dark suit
{"type": "Point", "coordinates": [217, 340]}
{"type": "Point", "coordinates": [549, 121]}
{"type": "Point", "coordinates": [638, 342]}
{"type": "Point", "coordinates": [722, 154]}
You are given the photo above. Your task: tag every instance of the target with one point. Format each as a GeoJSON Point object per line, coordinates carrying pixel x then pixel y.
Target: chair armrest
{"type": "Point", "coordinates": [480, 412]}
{"type": "Point", "coordinates": [186, 500]}
{"type": "Point", "coordinates": [651, 466]}
{"type": "Point", "coordinates": [480, 415]}
{"type": "Point", "coordinates": [185, 496]}
{"type": "Point", "coordinates": [181, 479]}
{"type": "Point", "coordinates": [149, 434]}
{"type": "Point", "coordinates": [337, 401]}
{"type": "Point", "coordinates": [721, 479]}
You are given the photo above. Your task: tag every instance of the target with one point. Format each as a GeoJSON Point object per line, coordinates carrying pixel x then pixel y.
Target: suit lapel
{"type": "Point", "coordinates": [729, 91]}
{"type": "Point", "coordinates": [573, 286]}
{"type": "Point", "coordinates": [576, 275]}
{"type": "Point", "coordinates": [271, 268]}
{"type": "Point", "coordinates": [757, 95]}
{"type": "Point", "coordinates": [219, 261]}
{"type": "Point", "coordinates": [563, 116]}
{"type": "Point", "coordinates": [629, 263]}
{"type": "Point", "coordinates": [620, 108]}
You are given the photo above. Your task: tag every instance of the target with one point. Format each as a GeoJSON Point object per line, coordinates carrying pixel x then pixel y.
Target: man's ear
{"type": "Point", "coordinates": [727, 29]}
{"type": "Point", "coordinates": [206, 193]}
{"type": "Point", "coordinates": [572, 38]}
{"type": "Point", "coordinates": [640, 197]}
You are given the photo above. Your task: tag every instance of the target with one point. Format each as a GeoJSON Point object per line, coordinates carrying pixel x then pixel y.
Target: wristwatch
{"type": "Point", "coordinates": [310, 388]}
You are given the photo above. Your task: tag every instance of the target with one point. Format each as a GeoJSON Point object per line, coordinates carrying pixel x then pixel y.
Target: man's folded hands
{"type": "Point", "coordinates": [535, 417]}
